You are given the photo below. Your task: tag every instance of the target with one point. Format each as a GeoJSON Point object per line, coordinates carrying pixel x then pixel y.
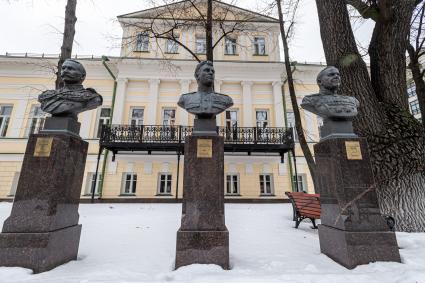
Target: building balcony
{"type": "Point", "coordinates": [158, 138]}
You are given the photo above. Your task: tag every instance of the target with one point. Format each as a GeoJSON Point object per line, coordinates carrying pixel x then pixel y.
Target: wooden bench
{"type": "Point", "coordinates": [305, 206]}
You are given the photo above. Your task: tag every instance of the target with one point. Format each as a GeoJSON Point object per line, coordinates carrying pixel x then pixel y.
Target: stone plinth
{"type": "Point", "coordinates": [352, 230]}
{"type": "Point", "coordinates": [42, 231]}
{"type": "Point", "coordinates": [203, 237]}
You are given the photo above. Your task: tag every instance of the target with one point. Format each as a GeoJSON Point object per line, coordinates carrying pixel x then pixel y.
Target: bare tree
{"type": "Point", "coordinates": [287, 12]}
{"type": "Point", "coordinates": [68, 38]}
{"type": "Point", "coordinates": [215, 19]}
{"type": "Point", "coordinates": [416, 51]}
{"type": "Point", "coordinates": [395, 137]}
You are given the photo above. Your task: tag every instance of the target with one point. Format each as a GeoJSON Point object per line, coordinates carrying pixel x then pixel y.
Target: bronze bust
{"type": "Point", "coordinates": [72, 98]}
{"type": "Point", "coordinates": [327, 103]}
{"type": "Point", "coordinates": [337, 111]}
{"type": "Point", "coordinates": [205, 103]}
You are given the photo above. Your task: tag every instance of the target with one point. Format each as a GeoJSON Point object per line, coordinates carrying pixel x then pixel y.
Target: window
{"type": "Point", "coordinates": [142, 42]}
{"type": "Point", "coordinates": [230, 46]}
{"type": "Point", "coordinates": [36, 120]}
{"type": "Point", "coordinates": [262, 123]}
{"type": "Point", "coordinates": [5, 112]}
{"type": "Point", "coordinates": [266, 185]}
{"type": "Point", "coordinates": [231, 125]}
{"type": "Point", "coordinates": [259, 46]}
{"type": "Point", "coordinates": [169, 117]}
{"type": "Point", "coordinates": [300, 179]}
{"type": "Point", "coordinates": [201, 45]}
{"type": "Point", "coordinates": [136, 118]}
{"type": "Point", "coordinates": [232, 184]}
{"type": "Point", "coordinates": [172, 46]}
{"type": "Point", "coordinates": [130, 183]}
{"type": "Point", "coordinates": [411, 90]}
{"type": "Point", "coordinates": [414, 107]}
{"type": "Point", "coordinates": [165, 181]}
{"type": "Point", "coordinates": [291, 123]}
{"type": "Point", "coordinates": [262, 118]}
{"type": "Point", "coordinates": [90, 183]}
{"type": "Point", "coordinates": [104, 119]}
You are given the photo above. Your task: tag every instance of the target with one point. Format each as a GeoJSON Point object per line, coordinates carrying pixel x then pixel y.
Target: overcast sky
{"type": "Point", "coordinates": [35, 26]}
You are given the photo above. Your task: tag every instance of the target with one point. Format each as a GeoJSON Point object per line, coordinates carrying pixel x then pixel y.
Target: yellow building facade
{"type": "Point", "coordinates": [148, 87]}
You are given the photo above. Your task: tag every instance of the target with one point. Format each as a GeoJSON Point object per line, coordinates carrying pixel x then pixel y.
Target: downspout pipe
{"type": "Point", "coordinates": [291, 177]}
{"type": "Point", "coordinates": [106, 152]}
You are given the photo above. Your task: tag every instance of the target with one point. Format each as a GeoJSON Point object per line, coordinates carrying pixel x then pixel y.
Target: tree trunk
{"type": "Point", "coordinates": [298, 125]}
{"type": "Point", "coordinates": [396, 139]}
{"type": "Point", "coordinates": [418, 78]}
{"type": "Point", "coordinates": [208, 32]}
{"type": "Point", "coordinates": [68, 38]}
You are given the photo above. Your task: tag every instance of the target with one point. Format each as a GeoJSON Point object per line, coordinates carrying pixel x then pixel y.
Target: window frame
{"type": "Point", "coordinates": [414, 107]}
{"type": "Point", "coordinates": [301, 180]}
{"type": "Point", "coordinates": [136, 119]}
{"type": "Point", "coordinates": [142, 46]}
{"type": "Point", "coordinates": [290, 116]}
{"type": "Point", "coordinates": [231, 129]}
{"type": "Point", "coordinates": [99, 116]}
{"type": "Point", "coordinates": [233, 45]}
{"type": "Point", "coordinates": [132, 184]}
{"type": "Point", "coordinates": [89, 183]}
{"type": "Point", "coordinates": [257, 50]}
{"type": "Point", "coordinates": [232, 193]}
{"type": "Point", "coordinates": [267, 121]}
{"type": "Point", "coordinates": [264, 193]}
{"type": "Point", "coordinates": [38, 120]}
{"type": "Point", "coordinates": [203, 43]}
{"type": "Point", "coordinates": [5, 119]}
{"type": "Point", "coordinates": [175, 45]}
{"type": "Point", "coordinates": [168, 178]}
{"type": "Point", "coordinates": [411, 90]}
{"type": "Point", "coordinates": [172, 120]}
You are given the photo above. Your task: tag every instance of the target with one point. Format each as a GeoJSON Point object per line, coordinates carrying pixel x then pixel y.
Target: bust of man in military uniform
{"type": "Point", "coordinates": [72, 98]}
{"type": "Point", "coordinates": [327, 103]}
{"type": "Point", "coordinates": [205, 103]}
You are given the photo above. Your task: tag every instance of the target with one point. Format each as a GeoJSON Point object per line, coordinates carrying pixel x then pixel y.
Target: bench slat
{"type": "Point", "coordinates": [314, 207]}
{"type": "Point", "coordinates": [307, 202]}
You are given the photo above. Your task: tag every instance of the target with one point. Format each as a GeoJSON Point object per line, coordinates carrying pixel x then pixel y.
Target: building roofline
{"type": "Point", "coordinates": [99, 58]}
{"type": "Point", "coordinates": [273, 20]}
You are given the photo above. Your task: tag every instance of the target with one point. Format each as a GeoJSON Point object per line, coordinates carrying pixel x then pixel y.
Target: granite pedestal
{"type": "Point", "coordinates": [42, 231]}
{"type": "Point", "coordinates": [203, 237]}
{"type": "Point", "coordinates": [352, 230]}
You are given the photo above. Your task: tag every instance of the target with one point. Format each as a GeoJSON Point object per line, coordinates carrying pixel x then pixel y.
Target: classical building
{"type": "Point", "coordinates": [142, 87]}
{"type": "Point", "coordinates": [413, 100]}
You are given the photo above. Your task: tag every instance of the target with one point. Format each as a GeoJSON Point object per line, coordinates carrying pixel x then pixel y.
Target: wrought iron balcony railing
{"type": "Point", "coordinates": [177, 134]}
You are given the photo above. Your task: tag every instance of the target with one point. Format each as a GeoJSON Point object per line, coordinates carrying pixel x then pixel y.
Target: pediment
{"type": "Point", "coordinates": [196, 10]}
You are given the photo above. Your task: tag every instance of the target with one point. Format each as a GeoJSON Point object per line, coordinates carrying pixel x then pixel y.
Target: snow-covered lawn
{"type": "Point", "coordinates": [136, 243]}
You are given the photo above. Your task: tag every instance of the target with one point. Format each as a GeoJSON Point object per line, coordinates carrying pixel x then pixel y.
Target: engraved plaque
{"type": "Point", "coordinates": [43, 147]}
{"type": "Point", "coordinates": [204, 149]}
{"type": "Point", "coordinates": [353, 150]}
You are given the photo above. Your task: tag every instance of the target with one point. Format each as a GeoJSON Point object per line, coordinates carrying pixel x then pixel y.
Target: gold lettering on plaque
{"type": "Point", "coordinates": [43, 147]}
{"type": "Point", "coordinates": [204, 149]}
{"type": "Point", "coordinates": [353, 150]}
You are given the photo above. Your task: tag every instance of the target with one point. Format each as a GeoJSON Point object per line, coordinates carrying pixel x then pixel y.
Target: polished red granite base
{"type": "Point", "coordinates": [203, 237]}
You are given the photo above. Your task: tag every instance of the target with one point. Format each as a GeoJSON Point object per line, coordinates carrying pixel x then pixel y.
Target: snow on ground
{"type": "Point", "coordinates": [136, 243]}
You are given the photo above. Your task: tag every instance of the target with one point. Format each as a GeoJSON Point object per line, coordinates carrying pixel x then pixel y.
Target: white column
{"type": "Point", "coordinates": [153, 102]}
{"type": "Point", "coordinates": [278, 104]}
{"type": "Point", "coordinates": [17, 122]}
{"type": "Point", "coordinates": [85, 120]}
{"type": "Point", "coordinates": [217, 88]}
{"type": "Point", "coordinates": [120, 100]}
{"type": "Point", "coordinates": [183, 114]}
{"type": "Point", "coordinates": [247, 103]}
